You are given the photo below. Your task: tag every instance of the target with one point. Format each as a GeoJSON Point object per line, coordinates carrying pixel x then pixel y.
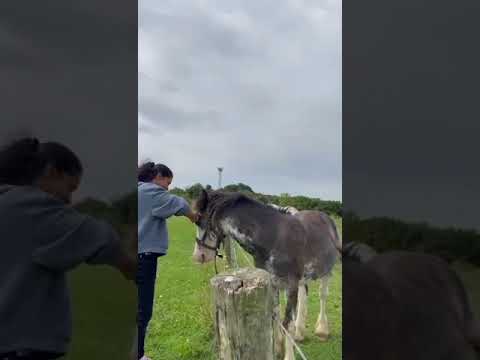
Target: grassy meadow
{"type": "Point", "coordinates": [104, 313]}
{"type": "Point", "coordinates": [182, 324]}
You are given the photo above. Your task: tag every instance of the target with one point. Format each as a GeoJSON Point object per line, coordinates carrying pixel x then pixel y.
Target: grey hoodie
{"type": "Point", "coordinates": [41, 239]}
{"type": "Point", "coordinates": [155, 206]}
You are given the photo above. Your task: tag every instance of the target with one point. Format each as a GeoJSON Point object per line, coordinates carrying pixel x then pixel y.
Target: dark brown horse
{"type": "Point", "coordinates": [401, 305]}
{"type": "Point", "coordinates": [293, 248]}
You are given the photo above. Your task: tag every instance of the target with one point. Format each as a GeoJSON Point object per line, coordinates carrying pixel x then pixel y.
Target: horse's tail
{"type": "Point", "coordinates": [472, 325]}
{"type": "Point", "coordinates": [335, 238]}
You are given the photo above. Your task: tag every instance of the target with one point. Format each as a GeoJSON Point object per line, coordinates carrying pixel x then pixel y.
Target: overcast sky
{"type": "Point", "coordinates": [411, 115]}
{"type": "Point", "coordinates": [254, 86]}
{"type": "Point", "coordinates": [69, 74]}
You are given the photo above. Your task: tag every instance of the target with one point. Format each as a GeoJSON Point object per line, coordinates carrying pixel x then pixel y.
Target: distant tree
{"type": "Point", "coordinates": [179, 192]}
{"type": "Point", "coordinates": [238, 188]}
{"type": "Point", "coordinates": [92, 206]}
{"type": "Point", "coordinates": [120, 213]}
{"type": "Point", "coordinates": [126, 208]}
{"type": "Point", "coordinates": [284, 199]}
{"type": "Point", "coordinates": [96, 208]}
{"type": "Point", "coordinates": [386, 234]}
{"type": "Point", "coordinates": [194, 191]}
{"type": "Point", "coordinates": [244, 188]}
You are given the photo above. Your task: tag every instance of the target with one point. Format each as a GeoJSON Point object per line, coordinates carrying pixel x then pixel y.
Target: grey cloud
{"type": "Point", "coordinates": [69, 75]}
{"type": "Point", "coordinates": [76, 34]}
{"type": "Point", "coordinates": [411, 112]}
{"type": "Point", "coordinates": [257, 84]}
{"type": "Point", "coordinates": [164, 116]}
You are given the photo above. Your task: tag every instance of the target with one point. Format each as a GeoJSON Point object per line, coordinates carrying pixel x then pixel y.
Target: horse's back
{"type": "Point", "coordinates": [434, 301]}
{"type": "Point", "coordinates": [321, 243]}
{"type": "Point", "coordinates": [384, 318]}
{"type": "Point", "coordinates": [410, 306]}
{"type": "Point", "coordinates": [426, 278]}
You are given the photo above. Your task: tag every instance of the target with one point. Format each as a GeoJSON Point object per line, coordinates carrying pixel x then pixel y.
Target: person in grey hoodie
{"type": "Point", "coordinates": [155, 206]}
{"type": "Point", "coordinates": [43, 238]}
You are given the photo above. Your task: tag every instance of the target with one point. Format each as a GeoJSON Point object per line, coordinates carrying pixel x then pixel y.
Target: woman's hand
{"type": "Point", "coordinates": [193, 216]}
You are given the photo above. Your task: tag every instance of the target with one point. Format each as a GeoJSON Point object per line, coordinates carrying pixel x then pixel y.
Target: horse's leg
{"type": "Point", "coordinates": [321, 327]}
{"type": "Point", "coordinates": [289, 322]}
{"type": "Point", "coordinates": [302, 309]}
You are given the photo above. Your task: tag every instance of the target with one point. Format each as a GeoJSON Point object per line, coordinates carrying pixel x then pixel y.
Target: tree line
{"type": "Point", "coordinates": [383, 234]}
{"type": "Point", "coordinates": [123, 209]}
{"type": "Point", "coordinates": [285, 199]}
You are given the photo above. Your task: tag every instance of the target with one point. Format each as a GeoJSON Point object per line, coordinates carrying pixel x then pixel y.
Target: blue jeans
{"type": "Point", "coordinates": [146, 276]}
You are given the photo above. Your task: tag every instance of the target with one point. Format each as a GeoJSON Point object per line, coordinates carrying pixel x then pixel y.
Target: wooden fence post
{"type": "Point", "coordinates": [244, 307]}
{"type": "Point", "coordinates": [230, 254]}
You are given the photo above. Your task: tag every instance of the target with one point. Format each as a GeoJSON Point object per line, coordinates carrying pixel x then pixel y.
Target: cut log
{"type": "Point", "coordinates": [244, 308]}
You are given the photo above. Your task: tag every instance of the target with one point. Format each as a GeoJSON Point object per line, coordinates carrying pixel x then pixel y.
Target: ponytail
{"type": "Point", "coordinates": [148, 171]}
{"type": "Point", "coordinates": [23, 161]}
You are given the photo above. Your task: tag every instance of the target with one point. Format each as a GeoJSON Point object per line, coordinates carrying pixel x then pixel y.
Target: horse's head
{"type": "Point", "coordinates": [207, 241]}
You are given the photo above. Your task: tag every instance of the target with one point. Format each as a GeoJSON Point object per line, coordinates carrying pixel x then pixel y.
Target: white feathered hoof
{"type": "Point", "coordinates": [298, 337]}
{"type": "Point", "coordinates": [322, 332]}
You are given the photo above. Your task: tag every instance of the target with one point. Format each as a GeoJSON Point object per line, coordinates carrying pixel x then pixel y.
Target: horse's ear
{"type": "Point", "coordinates": [202, 202]}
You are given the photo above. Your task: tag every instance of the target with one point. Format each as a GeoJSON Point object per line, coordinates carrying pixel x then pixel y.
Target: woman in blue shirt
{"type": "Point", "coordinates": [155, 206]}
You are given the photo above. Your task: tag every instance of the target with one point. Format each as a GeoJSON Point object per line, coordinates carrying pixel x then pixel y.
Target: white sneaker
{"type": "Point", "coordinates": [145, 358]}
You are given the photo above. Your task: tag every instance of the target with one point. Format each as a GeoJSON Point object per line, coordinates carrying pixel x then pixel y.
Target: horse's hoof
{"type": "Point", "coordinates": [322, 336]}
{"type": "Point", "coordinates": [299, 338]}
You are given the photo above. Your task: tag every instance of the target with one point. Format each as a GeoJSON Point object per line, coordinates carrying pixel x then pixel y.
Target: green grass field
{"type": "Point", "coordinates": [104, 312]}
{"type": "Point", "coordinates": [104, 307]}
{"type": "Point", "coordinates": [182, 324]}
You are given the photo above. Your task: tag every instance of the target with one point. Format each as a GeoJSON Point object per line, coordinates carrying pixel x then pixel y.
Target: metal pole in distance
{"type": "Point", "coordinates": [220, 170]}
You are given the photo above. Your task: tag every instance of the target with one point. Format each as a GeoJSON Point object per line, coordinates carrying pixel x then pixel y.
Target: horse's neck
{"type": "Point", "coordinates": [236, 228]}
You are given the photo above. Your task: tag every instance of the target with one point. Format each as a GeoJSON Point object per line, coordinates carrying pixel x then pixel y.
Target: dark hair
{"type": "Point", "coordinates": [148, 171]}
{"type": "Point", "coordinates": [24, 160]}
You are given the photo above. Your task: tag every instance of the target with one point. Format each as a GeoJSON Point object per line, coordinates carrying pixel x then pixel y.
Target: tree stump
{"type": "Point", "coordinates": [244, 307]}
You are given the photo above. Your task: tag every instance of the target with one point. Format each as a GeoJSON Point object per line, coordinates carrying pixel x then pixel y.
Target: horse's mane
{"type": "Point", "coordinates": [219, 201]}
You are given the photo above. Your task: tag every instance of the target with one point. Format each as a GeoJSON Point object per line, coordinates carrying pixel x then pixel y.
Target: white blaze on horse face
{"type": "Point", "coordinates": [200, 253]}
